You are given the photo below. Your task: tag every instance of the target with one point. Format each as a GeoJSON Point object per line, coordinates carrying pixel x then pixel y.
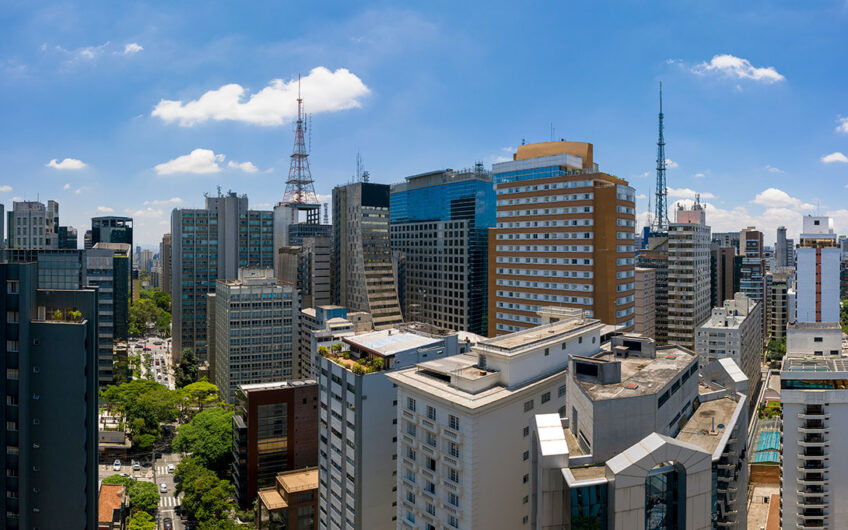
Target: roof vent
{"type": "Point", "coordinates": [671, 356]}
{"type": "Point", "coordinates": [631, 386]}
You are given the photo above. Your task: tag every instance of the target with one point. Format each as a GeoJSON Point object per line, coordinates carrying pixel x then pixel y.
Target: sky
{"type": "Point", "coordinates": [137, 108]}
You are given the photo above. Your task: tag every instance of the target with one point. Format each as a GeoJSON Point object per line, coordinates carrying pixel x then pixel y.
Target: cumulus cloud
{"type": "Point", "coordinates": [105, 209]}
{"type": "Point", "coordinates": [67, 186]}
{"type": "Point", "coordinates": [686, 193]}
{"type": "Point", "coordinates": [247, 167]}
{"type": "Point", "coordinates": [698, 175]}
{"type": "Point", "coordinates": [671, 164]}
{"type": "Point", "coordinates": [144, 212]}
{"type": "Point", "coordinates": [5, 188]}
{"type": "Point", "coordinates": [843, 125]}
{"type": "Point", "coordinates": [775, 198]}
{"type": "Point", "coordinates": [772, 169]}
{"type": "Point", "coordinates": [276, 104]}
{"type": "Point", "coordinates": [738, 68]}
{"type": "Point", "coordinates": [132, 48]}
{"type": "Point", "coordinates": [834, 157]}
{"type": "Point", "coordinates": [198, 162]}
{"type": "Point", "coordinates": [68, 163]}
{"type": "Point", "coordinates": [171, 201]}
{"type": "Point", "coordinates": [642, 196]}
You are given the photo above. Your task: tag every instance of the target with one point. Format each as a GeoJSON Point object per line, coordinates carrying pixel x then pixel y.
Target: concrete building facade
{"type": "Point", "coordinates": [688, 275]}
{"type": "Point", "coordinates": [818, 258]}
{"type": "Point", "coordinates": [564, 237]}
{"type": "Point", "coordinates": [655, 257]}
{"type": "Point", "coordinates": [363, 279]}
{"type": "Point", "coordinates": [646, 302]}
{"type": "Point", "coordinates": [33, 225]}
{"type": "Point", "coordinates": [165, 259]}
{"type": "Point", "coordinates": [440, 222]}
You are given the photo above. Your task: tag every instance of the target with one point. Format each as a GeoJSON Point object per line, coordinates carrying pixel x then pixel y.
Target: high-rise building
{"type": "Point", "coordinates": [817, 275]}
{"type": "Point", "coordinates": [2, 226]}
{"type": "Point", "coordinates": [723, 275]}
{"type": "Point", "coordinates": [363, 279]}
{"type": "Point", "coordinates": [688, 274]}
{"type": "Point", "coordinates": [646, 302]}
{"type": "Point", "coordinates": [275, 429]}
{"type": "Point", "coordinates": [165, 258]}
{"type": "Point", "coordinates": [641, 444]}
{"type": "Point", "coordinates": [357, 417]}
{"type": "Point", "coordinates": [728, 239]}
{"type": "Point", "coordinates": [323, 325]}
{"type": "Point", "coordinates": [207, 245]}
{"type": "Point", "coordinates": [734, 331]}
{"type": "Point", "coordinates": [50, 416]}
{"type": "Point", "coordinates": [447, 476]}
{"type": "Point", "coordinates": [752, 281]}
{"type": "Point", "coordinates": [655, 256]}
{"type": "Point", "coordinates": [107, 267]}
{"type": "Point", "coordinates": [256, 331]}
{"type": "Point", "coordinates": [308, 268]}
{"type": "Point", "coordinates": [784, 250]}
{"type": "Point", "coordinates": [564, 237]}
{"type": "Point", "coordinates": [777, 304]}
{"type": "Point", "coordinates": [440, 222]}
{"type": "Point", "coordinates": [814, 403]}
{"type": "Point", "coordinates": [34, 225]}
{"type": "Point", "coordinates": [86, 241]}
{"type": "Point", "coordinates": [68, 237]}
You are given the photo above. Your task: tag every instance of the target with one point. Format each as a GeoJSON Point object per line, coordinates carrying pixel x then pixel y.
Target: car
{"type": "Point", "coordinates": [167, 523]}
{"type": "Point", "coordinates": [136, 466]}
{"type": "Point", "coordinates": [116, 465]}
{"type": "Point", "coordinates": [163, 487]}
{"type": "Point", "coordinates": [157, 362]}
{"type": "Point", "coordinates": [170, 468]}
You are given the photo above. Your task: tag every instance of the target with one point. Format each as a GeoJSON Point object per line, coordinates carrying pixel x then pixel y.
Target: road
{"type": "Point", "coordinates": [160, 350]}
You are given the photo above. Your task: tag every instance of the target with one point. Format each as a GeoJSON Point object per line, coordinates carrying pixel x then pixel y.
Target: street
{"type": "Point", "coordinates": [159, 351]}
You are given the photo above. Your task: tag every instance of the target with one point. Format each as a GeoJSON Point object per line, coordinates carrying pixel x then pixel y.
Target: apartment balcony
{"type": "Point", "coordinates": [820, 429]}
{"type": "Point", "coordinates": [812, 503]}
{"type": "Point", "coordinates": [811, 468]}
{"type": "Point", "coordinates": [813, 441]}
{"type": "Point", "coordinates": [819, 481]}
{"type": "Point", "coordinates": [811, 457]}
{"type": "Point", "coordinates": [815, 491]}
{"type": "Point", "coordinates": [820, 416]}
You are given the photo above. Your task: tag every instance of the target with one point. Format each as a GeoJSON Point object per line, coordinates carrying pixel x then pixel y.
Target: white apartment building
{"type": "Point", "coordinates": [688, 274]}
{"type": "Point", "coordinates": [646, 302]}
{"type": "Point", "coordinates": [817, 272]}
{"type": "Point", "coordinates": [357, 417]}
{"type": "Point", "coordinates": [254, 320]}
{"type": "Point", "coordinates": [33, 225]}
{"type": "Point", "coordinates": [734, 331]}
{"type": "Point", "coordinates": [463, 424]}
{"type": "Point", "coordinates": [320, 326]}
{"type": "Point", "coordinates": [645, 443]}
{"type": "Point", "coordinates": [814, 398]}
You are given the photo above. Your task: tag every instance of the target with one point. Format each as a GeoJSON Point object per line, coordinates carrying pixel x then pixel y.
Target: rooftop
{"type": "Point", "coordinates": [519, 341]}
{"type": "Point", "coordinates": [108, 500]}
{"type": "Point", "coordinates": [388, 342]}
{"type": "Point", "coordinates": [815, 364]}
{"type": "Point", "coordinates": [277, 385]}
{"type": "Point", "coordinates": [707, 425]}
{"type": "Point", "coordinates": [640, 375]}
{"type": "Point", "coordinates": [298, 480]}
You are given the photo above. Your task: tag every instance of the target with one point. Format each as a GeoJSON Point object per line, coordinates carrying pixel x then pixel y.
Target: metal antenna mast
{"type": "Point", "coordinates": [660, 223]}
{"type": "Point", "coordinates": [300, 189]}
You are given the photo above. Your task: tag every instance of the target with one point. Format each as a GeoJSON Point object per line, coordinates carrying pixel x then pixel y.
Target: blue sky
{"type": "Point", "coordinates": [134, 108]}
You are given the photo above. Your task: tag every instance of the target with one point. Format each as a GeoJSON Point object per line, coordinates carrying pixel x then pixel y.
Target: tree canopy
{"type": "Point", "coordinates": [186, 372]}
{"type": "Point", "coordinates": [142, 521]}
{"type": "Point", "coordinates": [207, 498]}
{"type": "Point", "coordinates": [119, 480]}
{"type": "Point", "coordinates": [201, 393]}
{"type": "Point", "coordinates": [209, 437]}
{"type": "Point", "coordinates": [151, 310]}
{"type": "Point", "coordinates": [144, 496]}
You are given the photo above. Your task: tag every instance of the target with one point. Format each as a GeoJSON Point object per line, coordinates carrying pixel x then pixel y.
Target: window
{"type": "Point", "coordinates": [525, 432]}
{"type": "Point", "coordinates": [410, 453]}
{"type": "Point", "coordinates": [431, 412]}
{"type": "Point", "coordinates": [453, 500]}
{"type": "Point", "coordinates": [453, 521]}
{"type": "Point", "coordinates": [561, 391]}
{"type": "Point", "coordinates": [817, 339]}
{"type": "Point", "coordinates": [453, 475]}
{"type": "Point", "coordinates": [431, 464]}
{"type": "Point", "coordinates": [410, 404]}
{"type": "Point", "coordinates": [410, 497]}
{"type": "Point", "coordinates": [453, 449]}
{"type": "Point", "coordinates": [546, 397]}
{"type": "Point", "coordinates": [528, 406]}
{"type": "Point", "coordinates": [12, 287]}
{"type": "Point", "coordinates": [525, 479]}
{"type": "Point", "coordinates": [663, 398]}
{"type": "Point", "coordinates": [453, 422]}
{"type": "Point", "coordinates": [579, 340]}
{"type": "Point", "coordinates": [526, 455]}
{"type": "Point", "coordinates": [430, 488]}
{"type": "Point", "coordinates": [547, 351]}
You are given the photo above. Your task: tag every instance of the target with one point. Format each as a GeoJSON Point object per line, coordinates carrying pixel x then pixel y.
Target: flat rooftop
{"type": "Point", "coordinates": [514, 343]}
{"type": "Point", "coordinates": [585, 473]}
{"type": "Point", "coordinates": [815, 364]}
{"type": "Point", "coordinates": [708, 424]}
{"type": "Point", "coordinates": [640, 376]}
{"type": "Point", "coordinates": [277, 384]}
{"type": "Point", "coordinates": [300, 480]}
{"type": "Point", "coordinates": [388, 342]}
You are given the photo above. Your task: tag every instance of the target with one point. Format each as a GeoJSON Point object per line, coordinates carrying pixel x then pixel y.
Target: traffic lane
{"type": "Point", "coordinates": [168, 499]}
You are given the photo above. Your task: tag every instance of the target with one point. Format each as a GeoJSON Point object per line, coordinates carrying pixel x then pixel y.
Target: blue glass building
{"type": "Point", "coordinates": [439, 232]}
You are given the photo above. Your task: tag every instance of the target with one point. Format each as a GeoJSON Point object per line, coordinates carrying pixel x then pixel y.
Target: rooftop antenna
{"type": "Point", "coordinates": [660, 224]}
{"type": "Point", "coordinates": [300, 188]}
{"type": "Point", "coordinates": [362, 174]}
{"type": "Point", "coordinates": [552, 131]}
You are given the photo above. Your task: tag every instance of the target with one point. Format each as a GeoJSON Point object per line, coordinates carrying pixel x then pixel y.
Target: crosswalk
{"type": "Point", "coordinates": [167, 501]}
{"type": "Point", "coordinates": [161, 470]}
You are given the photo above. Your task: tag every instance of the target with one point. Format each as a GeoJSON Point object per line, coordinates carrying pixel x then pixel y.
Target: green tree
{"type": "Point", "coordinates": [118, 480]}
{"type": "Point", "coordinates": [146, 405]}
{"type": "Point", "coordinates": [141, 521]}
{"type": "Point", "coordinates": [143, 496]}
{"type": "Point", "coordinates": [208, 499]}
{"type": "Point", "coordinates": [775, 349]}
{"type": "Point", "coordinates": [209, 437]}
{"type": "Point", "coordinates": [186, 372]}
{"type": "Point", "coordinates": [186, 471]}
{"type": "Point", "coordinates": [201, 393]}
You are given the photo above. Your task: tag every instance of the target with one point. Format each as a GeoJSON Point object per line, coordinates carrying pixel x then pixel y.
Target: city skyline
{"type": "Point", "coordinates": [173, 103]}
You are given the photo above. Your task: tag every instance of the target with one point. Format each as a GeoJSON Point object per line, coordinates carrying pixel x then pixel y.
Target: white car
{"type": "Point", "coordinates": [116, 465]}
{"type": "Point", "coordinates": [170, 468]}
{"type": "Point", "coordinates": [163, 487]}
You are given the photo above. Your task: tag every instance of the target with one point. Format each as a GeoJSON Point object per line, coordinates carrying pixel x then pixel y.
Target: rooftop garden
{"type": "Point", "coordinates": [348, 360]}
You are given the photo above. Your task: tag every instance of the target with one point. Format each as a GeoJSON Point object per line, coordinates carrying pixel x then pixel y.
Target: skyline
{"type": "Point", "coordinates": [176, 100]}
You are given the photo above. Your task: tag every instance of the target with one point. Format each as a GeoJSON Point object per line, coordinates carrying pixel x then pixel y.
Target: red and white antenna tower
{"type": "Point", "coordinates": [300, 189]}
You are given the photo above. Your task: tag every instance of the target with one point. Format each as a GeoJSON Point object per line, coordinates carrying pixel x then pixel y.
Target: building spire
{"type": "Point", "coordinates": [660, 223]}
{"type": "Point", "coordinates": [300, 188]}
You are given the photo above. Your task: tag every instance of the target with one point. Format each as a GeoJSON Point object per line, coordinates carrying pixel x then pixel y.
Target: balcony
{"type": "Point", "coordinates": [817, 481]}
{"type": "Point", "coordinates": [820, 416]}
{"type": "Point", "coordinates": [814, 503]}
{"type": "Point", "coordinates": [816, 429]}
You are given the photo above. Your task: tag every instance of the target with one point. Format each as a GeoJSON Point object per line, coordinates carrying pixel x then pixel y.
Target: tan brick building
{"type": "Point", "coordinates": [564, 237]}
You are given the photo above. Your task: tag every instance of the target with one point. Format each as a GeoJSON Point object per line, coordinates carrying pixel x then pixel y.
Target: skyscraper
{"type": "Point", "coordinates": [780, 250]}
{"type": "Point", "coordinates": [165, 259]}
{"type": "Point", "coordinates": [50, 417]}
{"type": "Point", "coordinates": [207, 245]}
{"type": "Point", "coordinates": [752, 281]}
{"type": "Point", "coordinates": [817, 276]}
{"type": "Point", "coordinates": [564, 237]}
{"type": "Point", "coordinates": [68, 237]}
{"type": "Point", "coordinates": [440, 222]}
{"type": "Point", "coordinates": [363, 279]}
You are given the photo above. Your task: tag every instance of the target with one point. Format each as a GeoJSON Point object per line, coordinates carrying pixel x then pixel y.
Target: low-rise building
{"type": "Point", "coordinates": [734, 331]}
{"type": "Point", "coordinates": [112, 505]}
{"type": "Point", "coordinates": [292, 503]}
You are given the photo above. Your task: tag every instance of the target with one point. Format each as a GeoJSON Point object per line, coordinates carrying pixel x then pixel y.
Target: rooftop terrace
{"type": "Point", "coordinates": [640, 375]}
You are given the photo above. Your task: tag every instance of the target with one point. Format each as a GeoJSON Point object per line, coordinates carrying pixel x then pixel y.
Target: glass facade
{"type": "Point", "coordinates": [589, 507]}
{"type": "Point", "coordinates": [665, 498]}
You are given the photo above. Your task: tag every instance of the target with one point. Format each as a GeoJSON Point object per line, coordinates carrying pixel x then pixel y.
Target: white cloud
{"type": "Point", "coordinates": [247, 167]}
{"type": "Point", "coordinates": [642, 196]}
{"type": "Point", "coordinates": [144, 212]}
{"type": "Point", "coordinates": [78, 191]}
{"type": "Point", "coordinates": [67, 186]}
{"type": "Point", "coordinates": [834, 157]}
{"type": "Point", "coordinates": [276, 104]}
{"type": "Point", "coordinates": [686, 193]}
{"type": "Point", "coordinates": [738, 68]}
{"type": "Point", "coordinates": [772, 169]}
{"type": "Point", "coordinates": [132, 48]}
{"type": "Point", "coordinates": [698, 175]}
{"type": "Point", "coordinates": [775, 198]}
{"type": "Point", "coordinates": [843, 125]}
{"type": "Point", "coordinates": [88, 53]}
{"type": "Point", "coordinates": [5, 188]}
{"type": "Point", "coordinates": [172, 200]}
{"type": "Point", "coordinates": [324, 198]}
{"type": "Point", "coordinates": [671, 164]}
{"type": "Point", "coordinates": [105, 209]}
{"type": "Point", "coordinates": [68, 163]}
{"type": "Point", "coordinates": [198, 162]}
